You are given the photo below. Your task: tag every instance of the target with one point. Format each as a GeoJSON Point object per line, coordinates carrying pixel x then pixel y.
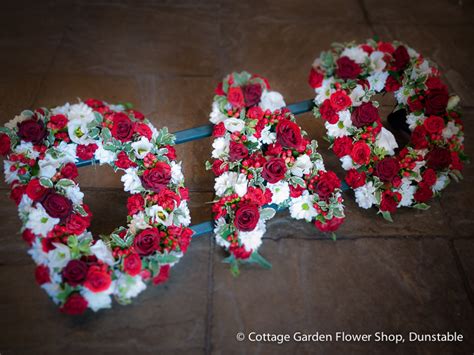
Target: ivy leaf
{"type": "Point", "coordinates": [165, 258]}
{"type": "Point", "coordinates": [46, 182]}
{"type": "Point", "coordinates": [386, 215]}
{"type": "Point", "coordinates": [421, 206]}
{"type": "Point", "coordinates": [295, 180]}
{"type": "Point", "coordinates": [267, 213]}
{"type": "Point", "coordinates": [79, 209]}
{"type": "Point", "coordinates": [65, 183]}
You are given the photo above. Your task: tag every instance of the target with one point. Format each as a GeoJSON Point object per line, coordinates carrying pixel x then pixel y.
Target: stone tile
{"type": "Point", "coordinates": [118, 40]}
{"type": "Point", "coordinates": [361, 286]}
{"type": "Point", "coordinates": [465, 250]}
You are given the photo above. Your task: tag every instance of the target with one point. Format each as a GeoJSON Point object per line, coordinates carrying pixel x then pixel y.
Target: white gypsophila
{"type": "Point", "coordinates": [40, 222]}
{"type": "Point", "coordinates": [61, 110]}
{"type": "Point", "coordinates": [98, 300]}
{"type": "Point", "coordinates": [450, 130]}
{"type": "Point", "coordinates": [131, 181]}
{"type": "Point", "coordinates": [221, 147]}
{"type": "Point", "coordinates": [324, 91]}
{"type": "Point", "coordinates": [440, 183]}
{"type": "Point", "coordinates": [403, 94]}
{"type": "Point", "coordinates": [10, 175]}
{"type": "Point", "coordinates": [385, 139]}
{"type": "Point", "coordinates": [39, 256]}
{"type": "Point", "coordinates": [26, 148]}
{"type": "Point", "coordinates": [79, 132]}
{"type": "Point", "coordinates": [407, 190]}
{"type": "Point", "coordinates": [280, 191]}
{"type": "Point", "coordinates": [138, 222]}
{"type": "Point", "coordinates": [233, 180]}
{"type": "Point", "coordinates": [340, 128]}
{"type": "Point", "coordinates": [102, 252]}
{"type": "Point", "coordinates": [453, 102]}
{"type": "Point", "coordinates": [53, 290]}
{"type": "Point", "coordinates": [142, 147]}
{"type": "Point", "coordinates": [267, 136]}
{"type": "Point", "coordinates": [233, 124]}
{"type": "Point", "coordinates": [216, 115]}
{"type": "Point", "coordinates": [346, 162]}
{"type": "Point", "coordinates": [13, 123]}
{"type": "Point", "coordinates": [219, 224]}
{"type": "Point", "coordinates": [252, 240]}
{"type": "Point", "coordinates": [365, 195]}
{"type": "Point", "coordinates": [357, 54]}
{"type": "Point", "coordinates": [129, 286]}
{"type": "Point", "coordinates": [302, 165]}
{"type": "Point", "coordinates": [104, 156]}
{"type": "Point", "coordinates": [177, 176]}
{"type": "Point", "coordinates": [59, 257]}
{"type": "Point", "coordinates": [80, 112]}
{"type": "Point", "coordinates": [414, 120]}
{"type": "Point", "coordinates": [182, 213]}
{"type": "Point", "coordinates": [302, 207]}
{"type": "Point", "coordinates": [358, 96]}
{"type": "Point", "coordinates": [377, 81]}
{"type": "Point", "coordinates": [159, 215]}
{"type": "Point", "coordinates": [271, 100]}
{"type": "Point", "coordinates": [75, 194]}
{"type": "Point", "coordinates": [25, 206]}
{"type": "Point", "coordinates": [377, 64]}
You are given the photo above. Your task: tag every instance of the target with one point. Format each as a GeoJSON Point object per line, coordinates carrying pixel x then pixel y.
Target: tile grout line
{"type": "Point", "coordinates": [462, 273]}
{"type": "Point", "coordinates": [210, 300]}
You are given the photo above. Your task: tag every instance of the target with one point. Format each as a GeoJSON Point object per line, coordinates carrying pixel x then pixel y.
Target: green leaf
{"type": "Point", "coordinates": [421, 206]}
{"type": "Point", "coordinates": [386, 215]}
{"type": "Point", "coordinates": [46, 182]}
{"type": "Point", "coordinates": [79, 209]}
{"type": "Point", "coordinates": [333, 236]}
{"type": "Point", "coordinates": [260, 260]}
{"type": "Point", "coordinates": [267, 213]}
{"type": "Point", "coordinates": [65, 183]}
{"type": "Point", "coordinates": [165, 258]}
{"type": "Point", "coordinates": [295, 180]}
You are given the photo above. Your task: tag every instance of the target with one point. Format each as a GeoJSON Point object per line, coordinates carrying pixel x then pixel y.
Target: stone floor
{"type": "Point", "coordinates": [416, 274]}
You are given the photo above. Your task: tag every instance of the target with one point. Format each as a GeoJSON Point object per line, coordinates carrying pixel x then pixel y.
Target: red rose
{"type": "Point", "coordinates": [387, 168]}
{"type": "Point", "coordinates": [74, 305]}
{"type": "Point", "coordinates": [235, 96]}
{"type": "Point", "coordinates": [438, 158]}
{"type": "Point", "coordinates": [94, 103]}
{"type": "Point", "coordinates": [75, 272]}
{"type": "Point", "coordinates": [327, 183]}
{"type": "Point", "coordinates": [218, 130]}
{"type": "Point", "coordinates": [340, 101]}
{"type": "Point", "coordinates": [289, 134]}
{"type": "Point", "coordinates": [434, 82]}
{"type": "Point", "coordinates": [342, 146]}
{"type": "Point", "coordinates": [456, 162]}
{"type": "Point", "coordinates": [434, 124]}
{"type": "Point", "coordinates": [423, 193]}
{"type": "Point", "coordinates": [389, 202]}
{"type": "Point", "coordinates": [315, 78]}
{"type": "Point", "coordinates": [35, 190]}
{"type": "Point", "coordinates": [5, 144]}
{"type": "Point", "coordinates": [274, 170]}
{"type": "Point", "coordinates": [328, 113]}
{"type": "Point", "coordinates": [355, 179]}
{"type": "Point", "coordinates": [329, 226]}
{"type": "Point", "coordinates": [162, 276]}
{"type": "Point", "coordinates": [57, 122]}
{"type": "Point", "coordinates": [143, 130]}
{"type": "Point", "coordinates": [237, 151]}
{"type": "Point", "coordinates": [414, 104]}
{"type": "Point", "coordinates": [77, 224]}
{"type": "Point", "coordinates": [42, 274]}
{"type": "Point", "coordinates": [147, 241]}
{"type": "Point", "coordinates": [97, 279]}
{"type": "Point", "coordinates": [364, 115]}
{"type": "Point", "coordinates": [392, 84]}
{"type": "Point", "coordinates": [157, 178]}
{"type": "Point", "coordinates": [217, 167]}
{"type": "Point", "coordinates": [360, 153]}
{"type": "Point", "coordinates": [138, 115]}
{"type": "Point", "coordinates": [401, 58]}
{"type": "Point", "coordinates": [132, 264]}
{"type": "Point", "coordinates": [274, 149]}
{"type": "Point", "coordinates": [32, 131]}
{"type": "Point", "coordinates": [69, 171]}
{"type": "Point", "coordinates": [436, 101]}
{"type": "Point", "coordinates": [418, 138]}
{"type": "Point", "coordinates": [56, 205]}
{"type": "Point", "coordinates": [347, 68]}
{"type": "Point", "coordinates": [122, 127]}
{"type": "Point", "coordinates": [86, 152]}
{"type": "Point", "coordinates": [123, 161]}
{"type": "Point", "coordinates": [429, 177]}
{"type": "Point", "coordinates": [385, 47]}
{"type": "Point", "coordinates": [28, 236]}
{"type": "Point", "coordinates": [246, 217]}
{"type": "Point", "coordinates": [252, 94]}
{"type": "Point", "coordinates": [135, 204]}
{"type": "Point", "coordinates": [17, 193]}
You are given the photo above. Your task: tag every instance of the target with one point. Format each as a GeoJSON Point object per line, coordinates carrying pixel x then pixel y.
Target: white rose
{"type": "Point", "coordinates": [234, 124]}
{"type": "Point", "coordinates": [385, 139]}
{"type": "Point", "coordinates": [271, 100]}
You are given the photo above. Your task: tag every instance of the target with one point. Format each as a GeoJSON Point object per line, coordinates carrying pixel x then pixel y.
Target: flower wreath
{"type": "Point", "coordinates": [75, 269]}
{"type": "Point", "coordinates": [345, 80]}
{"type": "Point", "coordinates": [262, 162]}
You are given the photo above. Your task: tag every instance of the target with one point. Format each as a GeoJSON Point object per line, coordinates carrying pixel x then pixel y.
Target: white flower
{"type": "Point", "coordinates": [413, 120]}
{"type": "Point", "coordinates": [385, 139]}
{"type": "Point", "coordinates": [347, 163]}
{"type": "Point", "coordinates": [377, 81]}
{"type": "Point", "coordinates": [440, 183]}
{"type": "Point", "coordinates": [324, 91]}
{"type": "Point", "coordinates": [79, 132]}
{"type": "Point", "coordinates": [302, 165]}
{"type": "Point", "coordinates": [221, 147]}
{"type": "Point", "coordinates": [39, 256]}
{"type": "Point", "coordinates": [453, 102]}
{"type": "Point", "coordinates": [357, 54]}
{"type": "Point", "coordinates": [412, 53]}
{"type": "Point", "coordinates": [159, 215]}
{"type": "Point", "coordinates": [182, 215]}
{"type": "Point", "coordinates": [26, 148]}
{"type": "Point", "coordinates": [253, 139]}
{"type": "Point", "coordinates": [377, 63]}
{"type": "Point", "coordinates": [319, 164]}
{"type": "Point", "coordinates": [280, 191]}
{"type": "Point", "coordinates": [450, 130]}
{"type": "Point", "coordinates": [365, 195]}
{"type": "Point", "coordinates": [116, 108]}
{"type": "Point", "coordinates": [98, 300]}
{"type": "Point", "coordinates": [138, 222]}
{"type": "Point", "coordinates": [25, 206]}
{"type": "Point", "coordinates": [104, 156]}
{"type": "Point", "coordinates": [403, 94]}
{"type": "Point", "coordinates": [129, 287]}
{"type": "Point", "coordinates": [10, 176]}
{"type": "Point", "coordinates": [59, 257]}
{"type": "Point", "coordinates": [81, 112]}
{"type": "Point", "coordinates": [61, 110]}
{"type": "Point", "coordinates": [219, 225]}
{"type": "Point", "coordinates": [13, 124]}
{"type": "Point", "coordinates": [340, 128]}
{"type": "Point", "coordinates": [231, 180]}
{"type": "Point", "coordinates": [240, 186]}
{"type": "Point", "coordinates": [216, 115]}
{"type": "Point", "coordinates": [271, 100]}
{"type": "Point", "coordinates": [177, 176]}
{"type": "Point", "coordinates": [268, 137]}
{"type": "Point", "coordinates": [357, 95]}
{"type": "Point", "coordinates": [253, 239]}
{"type": "Point", "coordinates": [407, 190]}
{"type": "Point", "coordinates": [75, 194]}
{"type": "Point", "coordinates": [233, 124]}
{"type": "Point", "coordinates": [131, 181]}
{"type": "Point", "coordinates": [52, 289]}
{"type": "Point", "coordinates": [40, 222]}
{"type": "Point", "coordinates": [102, 252]}
{"type": "Point", "coordinates": [142, 147]}
{"type": "Point", "coordinates": [302, 207]}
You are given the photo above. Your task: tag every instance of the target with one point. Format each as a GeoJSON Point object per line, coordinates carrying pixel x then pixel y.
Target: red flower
{"type": "Point", "coordinates": [143, 130]}
{"type": "Point", "coordinates": [237, 151]}
{"type": "Point", "coordinates": [342, 146]}
{"type": "Point", "coordinates": [327, 183]}
{"type": "Point", "coordinates": [157, 178]}
{"type": "Point", "coordinates": [423, 193]}
{"type": "Point", "coordinates": [289, 134]}
{"type": "Point", "coordinates": [340, 100]}
{"type": "Point", "coordinates": [240, 252]}
{"type": "Point", "coordinates": [17, 193]}
{"type": "Point", "coordinates": [69, 171]}
{"type": "Point", "coordinates": [5, 144]}
{"type": "Point", "coordinates": [218, 130]}
{"type": "Point", "coordinates": [387, 168]}
{"type": "Point", "coordinates": [347, 68]}
{"type": "Point", "coordinates": [235, 96]}
{"type": "Point", "coordinates": [132, 264]}
{"type": "Point", "coordinates": [75, 272]}
{"type": "Point", "coordinates": [434, 82]}
{"type": "Point", "coordinates": [147, 241]}
{"type": "Point", "coordinates": [123, 161]}
{"type": "Point", "coordinates": [296, 191]}
{"type": "Point", "coordinates": [414, 104]}
{"type": "Point", "coordinates": [77, 224]}
{"type": "Point", "coordinates": [315, 78]}
{"type": "Point", "coordinates": [355, 179]}
{"type": "Point", "coordinates": [168, 199]}
{"type": "Point", "coordinates": [86, 152]}
{"type": "Point", "coordinates": [386, 47]}
{"type": "Point", "coordinates": [246, 217]}
{"type": "Point", "coordinates": [218, 90]}
{"type": "Point", "coordinates": [274, 170]}
{"type": "Point", "coordinates": [329, 226]}
{"type": "Point", "coordinates": [392, 84]}
{"type": "Point", "coordinates": [42, 274]}
{"type": "Point", "coordinates": [217, 168]}
{"type": "Point", "coordinates": [434, 124]}
{"type": "Point", "coordinates": [418, 138]}
{"type": "Point", "coordinates": [328, 113]}
{"type": "Point", "coordinates": [360, 153]}
{"type": "Point", "coordinates": [35, 190]}
{"type": "Point", "coordinates": [74, 305]}
{"type": "Point", "coordinates": [135, 204]}
{"type": "Point", "coordinates": [255, 113]}
{"type": "Point", "coordinates": [97, 280]}
{"type": "Point", "coordinates": [32, 130]}
{"type": "Point", "coordinates": [57, 122]}
{"type": "Point", "coordinates": [162, 276]}
{"type": "Point", "coordinates": [28, 236]}
{"type": "Point", "coordinates": [274, 149]}
{"type": "Point", "coordinates": [436, 101]}
{"type": "Point", "coordinates": [429, 177]}
{"type": "Point", "coordinates": [56, 205]}
{"type": "Point", "coordinates": [401, 58]}
{"type": "Point", "coordinates": [438, 158]}
{"type": "Point", "coordinates": [389, 202]}
{"type": "Point", "coordinates": [252, 94]}
{"type": "Point", "coordinates": [364, 115]}
{"type": "Point", "coordinates": [171, 152]}
{"type": "Point", "coordinates": [137, 115]}
{"type": "Point", "coordinates": [122, 127]}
